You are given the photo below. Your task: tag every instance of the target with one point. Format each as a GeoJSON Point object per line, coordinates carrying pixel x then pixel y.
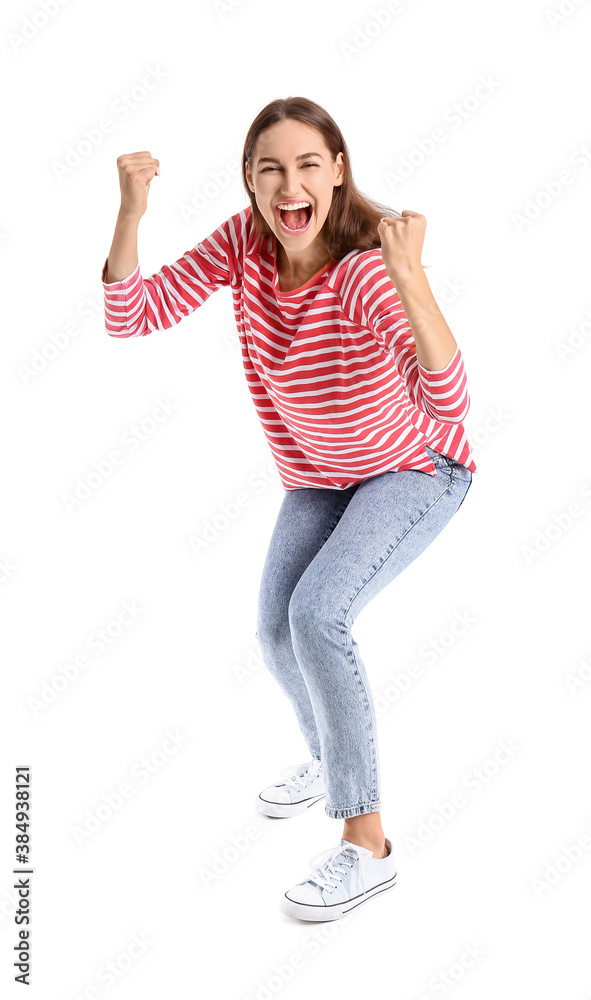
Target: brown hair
{"type": "Point", "coordinates": [353, 218]}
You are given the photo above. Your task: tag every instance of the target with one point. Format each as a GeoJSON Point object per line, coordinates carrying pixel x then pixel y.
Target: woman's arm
{"type": "Point", "coordinates": [435, 342]}
{"type": "Point", "coordinates": [122, 260]}
{"type": "Point", "coordinates": [136, 306]}
{"type": "Point", "coordinates": [136, 172]}
{"type": "Point", "coordinates": [370, 299]}
{"type": "Point", "coordinates": [401, 244]}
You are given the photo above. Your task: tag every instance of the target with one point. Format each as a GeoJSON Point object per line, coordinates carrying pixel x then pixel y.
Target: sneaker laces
{"type": "Point", "coordinates": [325, 871]}
{"type": "Point", "coordinates": [301, 773]}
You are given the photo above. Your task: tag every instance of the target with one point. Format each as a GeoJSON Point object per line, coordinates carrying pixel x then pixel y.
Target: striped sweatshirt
{"type": "Point", "coordinates": [331, 366]}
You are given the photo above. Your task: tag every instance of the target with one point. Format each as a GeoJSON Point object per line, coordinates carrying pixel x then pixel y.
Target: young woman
{"type": "Point", "coordinates": [361, 391]}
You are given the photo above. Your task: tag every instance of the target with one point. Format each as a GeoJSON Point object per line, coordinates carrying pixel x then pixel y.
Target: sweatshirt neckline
{"type": "Point", "coordinates": [311, 281]}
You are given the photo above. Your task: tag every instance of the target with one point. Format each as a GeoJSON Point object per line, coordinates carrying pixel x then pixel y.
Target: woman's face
{"type": "Point", "coordinates": [292, 163]}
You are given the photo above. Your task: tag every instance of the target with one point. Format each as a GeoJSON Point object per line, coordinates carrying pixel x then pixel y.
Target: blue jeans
{"type": "Point", "coordinates": [330, 553]}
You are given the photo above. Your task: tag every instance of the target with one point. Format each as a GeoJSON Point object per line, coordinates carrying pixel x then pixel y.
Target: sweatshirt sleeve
{"type": "Point", "coordinates": [370, 299]}
{"type": "Point", "coordinates": [135, 306]}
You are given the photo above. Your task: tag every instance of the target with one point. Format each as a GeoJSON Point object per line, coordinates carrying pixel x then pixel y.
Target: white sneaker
{"type": "Point", "coordinates": [342, 878]}
{"type": "Point", "coordinates": [303, 786]}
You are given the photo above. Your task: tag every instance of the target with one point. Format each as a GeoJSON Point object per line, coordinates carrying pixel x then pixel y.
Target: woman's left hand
{"type": "Point", "coordinates": [402, 243]}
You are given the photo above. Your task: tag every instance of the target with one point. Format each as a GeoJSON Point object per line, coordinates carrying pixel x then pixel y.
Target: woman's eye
{"type": "Point", "coordinates": [264, 171]}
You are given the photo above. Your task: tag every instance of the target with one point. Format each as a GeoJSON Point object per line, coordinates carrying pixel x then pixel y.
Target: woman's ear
{"type": "Point", "coordinates": [248, 175]}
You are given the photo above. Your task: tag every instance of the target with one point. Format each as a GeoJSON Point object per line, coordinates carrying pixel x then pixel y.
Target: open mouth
{"type": "Point", "coordinates": [294, 220]}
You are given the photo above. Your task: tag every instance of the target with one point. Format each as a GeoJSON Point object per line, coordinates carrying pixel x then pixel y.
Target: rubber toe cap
{"type": "Point", "coordinates": [305, 893]}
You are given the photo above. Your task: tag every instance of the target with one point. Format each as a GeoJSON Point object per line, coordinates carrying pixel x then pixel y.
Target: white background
{"type": "Point", "coordinates": [507, 197]}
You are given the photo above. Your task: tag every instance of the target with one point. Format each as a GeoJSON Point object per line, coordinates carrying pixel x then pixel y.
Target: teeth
{"type": "Point", "coordinates": [299, 204]}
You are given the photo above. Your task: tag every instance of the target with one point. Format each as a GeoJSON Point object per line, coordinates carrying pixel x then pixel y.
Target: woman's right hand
{"type": "Point", "coordinates": [136, 171]}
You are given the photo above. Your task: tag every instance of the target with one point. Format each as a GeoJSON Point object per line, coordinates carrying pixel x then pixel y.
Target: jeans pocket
{"type": "Point", "coordinates": [441, 462]}
{"type": "Point", "coordinates": [459, 471]}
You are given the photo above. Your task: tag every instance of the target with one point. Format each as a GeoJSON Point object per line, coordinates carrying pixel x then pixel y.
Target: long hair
{"type": "Point", "coordinates": [353, 218]}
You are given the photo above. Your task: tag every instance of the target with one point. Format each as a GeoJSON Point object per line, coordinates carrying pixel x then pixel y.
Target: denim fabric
{"type": "Point", "coordinates": [330, 553]}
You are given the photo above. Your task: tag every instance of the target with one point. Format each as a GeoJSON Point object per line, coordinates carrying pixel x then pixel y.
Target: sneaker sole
{"type": "Point", "coordinates": [308, 911]}
{"type": "Point", "coordinates": [286, 809]}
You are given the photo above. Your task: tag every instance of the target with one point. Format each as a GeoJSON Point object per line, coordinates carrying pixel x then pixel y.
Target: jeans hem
{"type": "Point", "coordinates": [347, 813]}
